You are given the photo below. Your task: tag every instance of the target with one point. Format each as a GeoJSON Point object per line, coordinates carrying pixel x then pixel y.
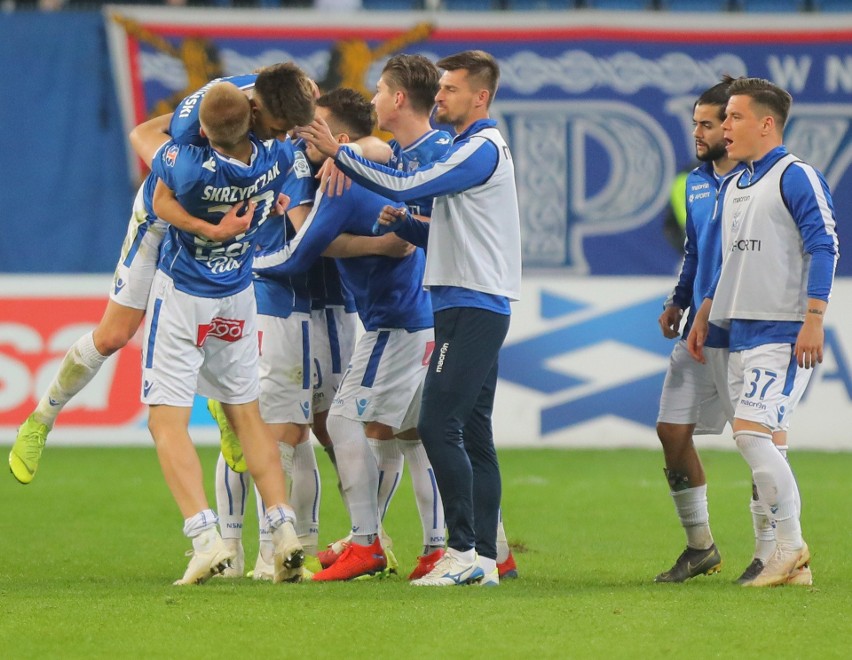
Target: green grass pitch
{"type": "Point", "coordinates": [90, 548]}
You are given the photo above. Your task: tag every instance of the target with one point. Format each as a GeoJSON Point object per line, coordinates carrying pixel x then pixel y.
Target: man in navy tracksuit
{"type": "Point", "coordinates": [473, 271]}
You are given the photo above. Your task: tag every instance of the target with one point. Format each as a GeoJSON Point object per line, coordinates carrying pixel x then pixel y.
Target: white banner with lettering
{"type": "Point", "coordinates": [582, 366]}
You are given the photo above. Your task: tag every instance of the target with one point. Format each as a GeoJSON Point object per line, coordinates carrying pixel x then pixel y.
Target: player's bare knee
{"type": "Point", "coordinates": [674, 436]}
{"type": "Point", "coordinates": [110, 340]}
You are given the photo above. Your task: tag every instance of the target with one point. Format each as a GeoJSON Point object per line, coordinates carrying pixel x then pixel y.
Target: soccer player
{"type": "Point", "coordinates": [285, 306]}
{"type": "Point", "coordinates": [279, 101]}
{"type": "Point", "coordinates": [779, 253]}
{"type": "Point", "coordinates": [403, 103]}
{"type": "Point", "coordinates": [379, 393]}
{"type": "Point", "coordinates": [200, 331]}
{"type": "Point", "coordinates": [694, 391]}
{"type": "Point", "coordinates": [473, 271]}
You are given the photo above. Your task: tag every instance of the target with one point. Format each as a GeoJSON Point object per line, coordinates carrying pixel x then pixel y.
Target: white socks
{"type": "Point", "coordinates": [463, 556]}
{"type": "Point", "coordinates": [487, 565]}
{"type": "Point", "coordinates": [428, 498]}
{"type": "Point", "coordinates": [359, 473]}
{"type": "Point", "coordinates": [231, 490]}
{"type": "Point", "coordinates": [305, 491]}
{"type": "Point", "coordinates": [776, 486]}
{"type": "Point", "coordinates": [199, 523]}
{"type": "Point", "coordinates": [764, 535]}
{"type": "Point", "coordinates": [79, 366]}
{"type": "Point", "coordinates": [502, 542]}
{"type": "Point", "coordinates": [691, 506]}
{"type": "Point", "coordinates": [389, 459]}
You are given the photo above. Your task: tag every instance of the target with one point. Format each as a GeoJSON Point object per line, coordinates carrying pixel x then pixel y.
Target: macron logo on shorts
{"type": "Point", "coordinates": [361, 405]}
{"type": "Point", "coordinates": [146, 387]}
{"type": "Point", "coordinates": [224, 329]}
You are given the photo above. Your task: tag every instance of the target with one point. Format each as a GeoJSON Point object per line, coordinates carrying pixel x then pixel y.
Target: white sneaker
{"type": "Point", "coordinates": [801, 576]}
{"type": "Point", "coordinates": [264, 567]}
{"type": "Point", "coordinates": [781, 566]}
{"type": "Point", "coordinates": [238, 563]}
{"type": "Point", "coordinates": [289, 555]}
{"type": "Point", "coordinates": [209, 556]}
{"type": "Point", "coordinates": [449, 572]}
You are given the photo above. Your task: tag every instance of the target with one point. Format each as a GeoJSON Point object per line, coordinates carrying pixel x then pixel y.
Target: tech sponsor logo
{"type": "Point", "coordinates": [697, 196]}
{"type": "Point", "coordinates": [746, 245]}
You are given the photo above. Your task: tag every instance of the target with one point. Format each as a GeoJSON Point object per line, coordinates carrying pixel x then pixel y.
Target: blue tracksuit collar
{"type": "Point", "coordinates": [706, 170]}
{"type": "Point", "coordinates": [475, 127]}
{"type": "Point", "coordinates": [758, 168]}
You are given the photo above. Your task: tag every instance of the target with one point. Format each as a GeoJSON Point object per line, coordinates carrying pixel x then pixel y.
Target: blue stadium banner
{"type": "Point", "coordinates": [597, 106]}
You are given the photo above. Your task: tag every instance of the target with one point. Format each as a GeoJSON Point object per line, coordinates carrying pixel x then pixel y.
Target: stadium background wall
{"type": "Point", "coordinates": [582, 367]}
{"type": "Point", "coordinates": [597, 107]}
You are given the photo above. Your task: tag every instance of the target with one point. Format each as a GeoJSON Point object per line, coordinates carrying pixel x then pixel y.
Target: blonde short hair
{"type": "Point", "coordinates": [225, 115]}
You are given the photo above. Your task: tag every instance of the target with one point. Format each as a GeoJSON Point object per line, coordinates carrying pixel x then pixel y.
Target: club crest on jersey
{"type": "Point", "coordinates": [170, 157]}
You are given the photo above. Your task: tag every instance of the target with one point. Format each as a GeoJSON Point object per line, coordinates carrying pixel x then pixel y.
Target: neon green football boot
{"type": "Point", "coordinates": [26, 452]}
{"type": "Point", "coordinates": [232, 451]}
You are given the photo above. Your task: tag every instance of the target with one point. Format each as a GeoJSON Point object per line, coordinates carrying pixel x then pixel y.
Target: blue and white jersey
{"type": "Point", "coordinates": [428, 148]}
{"type": "Point", "coordinates": [281, 296]}
{"type": "Point", "coordinates": [474, 257]}
{"type": "Point", "coordinates": [185, 126]}
{"type": "Point", "coordinates": [703, 248]}
{"type": "Point", "coordinates": [780, 248]}
{"type": "Point", "coordinates": [387, 291]}
{"type": "Point", "coordinates": [208, 184]}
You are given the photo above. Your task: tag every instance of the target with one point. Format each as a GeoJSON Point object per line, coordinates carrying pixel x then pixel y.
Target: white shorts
{"type": "Point", "coordinates": [800, 384]}
{"type": "Point", "coordinates": [199, 345]}
{"type": "Point", "coordinates": [695, 393]}
{"type": "Point", "coordinates": [285, 368]}
{"type": "Point", "coordinates": [333, 331]}
{"type": "Point", "coordinates": [384, 380]}
{"type": "Point", "coordinates": [140, 253]}
{"type": "Point", "coordinates": [766, 383]}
